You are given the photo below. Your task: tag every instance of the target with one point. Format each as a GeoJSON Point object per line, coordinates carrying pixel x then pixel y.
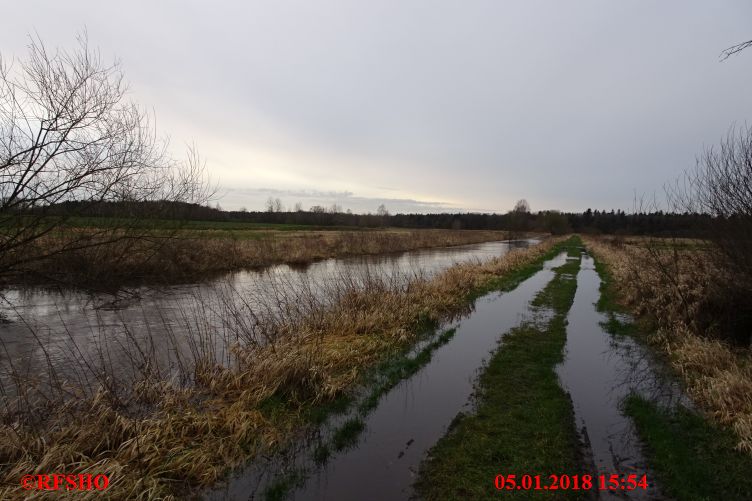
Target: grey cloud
{"type": "Point", "coordinates": [568, 104]}
{"type": "Point", "coordinates": [254, 198]}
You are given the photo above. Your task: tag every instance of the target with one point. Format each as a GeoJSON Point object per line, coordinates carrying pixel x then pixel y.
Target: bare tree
{"type": "Point", "coordinates": [721, 186]}
{"type": "Point", "coordinates": [68, 135]}
{"type": "Point", "coordinates": [382, 210]}
{"type": "Point", "coordinates": [519, 219]}
{"type": "Point", "coordinates": [522, 206]}
{"type": "Point", "coordinates": [274, 205]}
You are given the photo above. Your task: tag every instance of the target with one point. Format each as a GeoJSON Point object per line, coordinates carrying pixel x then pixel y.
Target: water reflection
{"type": "Point", "coordinates": [410, 419]}
{"type": "Point", "coordinates": [599, 371]}
{"type": "Point", "coordinates": [59, 326]}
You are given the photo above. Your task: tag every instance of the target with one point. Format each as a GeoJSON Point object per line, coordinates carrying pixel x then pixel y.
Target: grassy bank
{"type": "Point", "coordinates": [702, 454]}
{"type": "Point", "coordinates": [165, 432]}
{"type": "Point", "coordinates": [524, 421]}
{"type": "Point", "coordinates": [162, 256]}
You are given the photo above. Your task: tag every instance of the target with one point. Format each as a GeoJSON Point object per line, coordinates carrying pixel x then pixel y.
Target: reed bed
{"type": "Point", "coordinates": [679, 290]}
{"type": "Point", "coordinates": [160, 428]}
{"type": "Point", "coordinates": [189, 255]}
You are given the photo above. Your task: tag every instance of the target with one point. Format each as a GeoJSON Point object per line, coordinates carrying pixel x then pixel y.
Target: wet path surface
{"type": "Point", "coordinates": [599, 371]}
{"type": "Point", "coordinates": [413, 416]}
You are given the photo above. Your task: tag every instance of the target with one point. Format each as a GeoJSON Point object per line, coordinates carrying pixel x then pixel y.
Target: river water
{"type": "Point", "coordinates": [60, 328]}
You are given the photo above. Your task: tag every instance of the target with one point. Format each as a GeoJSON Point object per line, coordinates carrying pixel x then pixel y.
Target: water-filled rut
{"type": "Point", "coordinates": [407, 421]}
{"type": "Point", "coordinates": [599, 371]}
{"type": "Point", "coordinates": [388, 443]}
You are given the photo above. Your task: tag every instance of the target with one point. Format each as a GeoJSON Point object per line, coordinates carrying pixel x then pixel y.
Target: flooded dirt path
{"type": "Point", "coordinates": [599, 371]}
{"type": "Point", "coordinates": [389, 442]}
{"type": "Point", "coordinates": [409, 419]}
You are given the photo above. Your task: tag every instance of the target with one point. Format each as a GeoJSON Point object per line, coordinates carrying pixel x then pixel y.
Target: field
{"type": "Point", "coordinates": [113, 254]}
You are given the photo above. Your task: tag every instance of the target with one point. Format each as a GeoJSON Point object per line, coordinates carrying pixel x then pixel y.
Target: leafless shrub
{"type": "Point", "coordinates": [721, 186]}
{"type": "Point", "coordinates": [671, 290]}
{"type": "Point", "coordinates": [70, 138]}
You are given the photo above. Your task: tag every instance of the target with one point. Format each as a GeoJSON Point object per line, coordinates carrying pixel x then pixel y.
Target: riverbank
{"type": "Point", "coordinates": [155, 434]}
{"type": "Point", "coordinates": [158, 256]}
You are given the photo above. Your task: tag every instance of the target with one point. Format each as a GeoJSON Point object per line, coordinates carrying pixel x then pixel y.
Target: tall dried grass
{"type": "Point", "coordinates": [159, 428]}
{"type": "Point", "coordinates": [677, 290]}
{"type": "Point", "coordinates": [191, 255]}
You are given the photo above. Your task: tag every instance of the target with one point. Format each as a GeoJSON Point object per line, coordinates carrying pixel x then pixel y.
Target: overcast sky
{"type": "Point", "coordinates": [424, 105]}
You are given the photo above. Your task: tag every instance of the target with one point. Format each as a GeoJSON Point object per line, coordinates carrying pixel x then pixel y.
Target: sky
{"type": "Point", "coordinates": [423, 105]}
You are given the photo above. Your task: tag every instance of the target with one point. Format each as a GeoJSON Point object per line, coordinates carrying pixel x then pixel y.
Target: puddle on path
{"type": "Point", "coordinates": [411, 418]}
{"type": "Point", "coordinates": [599, 371]}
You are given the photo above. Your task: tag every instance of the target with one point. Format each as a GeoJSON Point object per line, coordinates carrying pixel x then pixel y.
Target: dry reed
{"type": "Point", "coordinates": [190, 255]}
{"type": "Point", "coordinates": [162, 430]}
{"type": "Point", "coordinates": [672, 288]}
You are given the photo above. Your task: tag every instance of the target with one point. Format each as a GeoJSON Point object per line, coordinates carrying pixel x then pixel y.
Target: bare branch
{"type": "Point", "coordinates": [734, 49]}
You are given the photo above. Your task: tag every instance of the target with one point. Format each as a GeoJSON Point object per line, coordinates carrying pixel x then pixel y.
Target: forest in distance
{"type": "Point", "coordinates": [657, 222]}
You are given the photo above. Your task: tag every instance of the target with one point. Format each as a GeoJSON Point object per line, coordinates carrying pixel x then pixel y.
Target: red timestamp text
{"type": "Point", "coordinates": [584, 482]}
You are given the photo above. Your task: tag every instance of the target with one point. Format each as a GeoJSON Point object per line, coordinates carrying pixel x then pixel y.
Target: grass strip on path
{"type": "Point", "coordinates": [524, 422]}
{"type": "Point", "coordinates": [386, 376]}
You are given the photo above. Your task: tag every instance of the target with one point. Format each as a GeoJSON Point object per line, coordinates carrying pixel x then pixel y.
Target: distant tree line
{"type": "Point", "coordinates": [590, 221]}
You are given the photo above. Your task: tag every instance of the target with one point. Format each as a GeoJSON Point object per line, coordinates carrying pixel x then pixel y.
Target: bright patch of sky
{"type": "Point", "coordinates": [424, 105]}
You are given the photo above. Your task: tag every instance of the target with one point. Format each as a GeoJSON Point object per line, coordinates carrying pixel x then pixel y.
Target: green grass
{"type": "Point", "coordinates": [608, 300]}
{"type": "Point", "coordinates": [347, 435]}
{"type": "Point", "coordinates": [694, 460]}
{"type": "Point", "coordinates": [524, 421]}
{"type": "Point", "coordinates": [619, 322]}
{"type": "Point", "coordinates": [281, 486]}
{"type": "Point", "coordinates": [317, 414]}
